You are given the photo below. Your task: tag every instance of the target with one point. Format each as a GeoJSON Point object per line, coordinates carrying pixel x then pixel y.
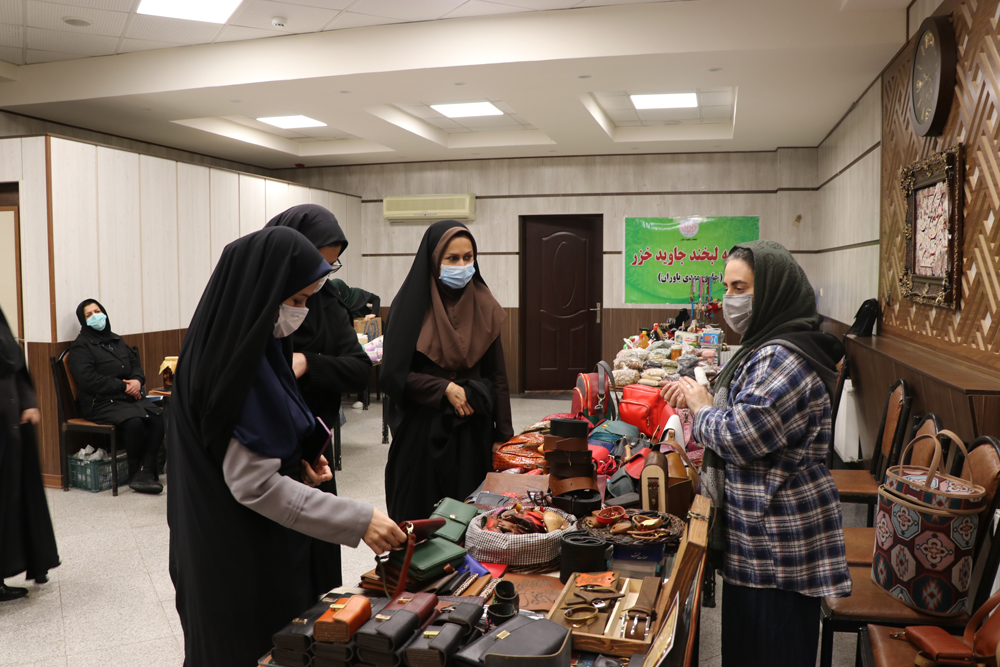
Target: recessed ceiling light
{"type": "Point", "coordinates": [291, 122]}
{"type": "Point", "coordinates": [665, 101]}
{"type": "Point", "coordinates": [76, 21]}
{"type": "Point", "coordinates": [467, 110]}
{"type": "Point", "coordinates": [715, 69]}
{"type": "Point", "coordinates": [207, 11]}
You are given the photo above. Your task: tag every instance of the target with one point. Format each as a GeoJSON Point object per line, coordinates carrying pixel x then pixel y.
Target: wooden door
{"type": "Point", "coordinates": [562, 267]}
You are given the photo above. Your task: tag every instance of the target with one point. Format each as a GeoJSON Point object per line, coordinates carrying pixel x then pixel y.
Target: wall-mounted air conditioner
{"type": "Point", "coordinates": [430, 208]}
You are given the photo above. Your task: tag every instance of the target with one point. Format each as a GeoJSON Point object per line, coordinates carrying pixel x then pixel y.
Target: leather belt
{"type": "Point", "coordinates": [582, 552]}
{"type": "Point", "coordinates": [570, 470]}
{"type": "Point", "coordinates": [569, 428]}
{"type": "Point", "coordinates": [567, 484]}
{"type": "Point", "coordinates": [578, 503]}
{"type": "Point", "coordinates": [553, 442]}
{"type": "Point", "coordinates": [639, 616]}
{"type": "Point", "coordinates": [568, 457]}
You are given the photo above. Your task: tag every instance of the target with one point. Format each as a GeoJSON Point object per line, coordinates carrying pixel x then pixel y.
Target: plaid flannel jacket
{"type": "Point", "coordinates": [783, 520]}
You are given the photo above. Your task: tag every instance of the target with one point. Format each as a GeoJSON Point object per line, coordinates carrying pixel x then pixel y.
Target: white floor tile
{"type": "Point", "coordinates": [156, 653]}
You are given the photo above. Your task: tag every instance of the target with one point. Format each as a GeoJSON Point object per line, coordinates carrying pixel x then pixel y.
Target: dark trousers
{"type": "Point", "coordinates": [768, 627]}
{"type": "Point", "coordinates": [142, 437]}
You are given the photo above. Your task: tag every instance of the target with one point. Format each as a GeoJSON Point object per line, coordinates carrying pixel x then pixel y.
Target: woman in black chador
{"type": "Point", "coordinates": [243, 505]}
{"type": "Point", "coordinates": [444, 371]}
{"type": "Point", "coordinates": [110, 380]}
{"type": "Point", "coordinates": [328, 360]}
{"type": "Point", "coordinates": [27, 543]}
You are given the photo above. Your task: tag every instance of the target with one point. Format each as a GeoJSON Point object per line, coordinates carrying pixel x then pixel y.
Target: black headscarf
{"type": "Point", "coordinates": [86, 330]}
{"type": "Point", "coordinates": [406, 315]}
{"type": "Point", "coordinates": [315, 223]}
{"type": "Point", "coordinates": [11, 355]}
{"type": "Point", "coordinates": [224, 349]}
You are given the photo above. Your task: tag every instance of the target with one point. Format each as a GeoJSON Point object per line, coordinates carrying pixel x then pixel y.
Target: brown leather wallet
{"type": "Point", "coordinates": [421, 604]}
{"type": "Point", "coordinates": [554, 442]}
{"type": "Point", "coordinates": [938, 645]}
{"type": "Point", "coordinates": [342, 619]}
{"type": "Point", "coordinates": [640, 615]}
{"type": "Point", "coordinates": [561, 486]}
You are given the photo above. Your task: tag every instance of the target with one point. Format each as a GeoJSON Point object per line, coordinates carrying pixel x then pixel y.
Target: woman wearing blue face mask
{"type": "Point", "coordinates": [109, 381]}
{"type": "Point", "coordinates": [443, 368]}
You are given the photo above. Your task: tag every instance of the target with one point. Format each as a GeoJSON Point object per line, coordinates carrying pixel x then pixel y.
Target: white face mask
{"type": "Point", "coordinates": [290, 318]}
{"type": "Point", "coordinates": [737, 309]}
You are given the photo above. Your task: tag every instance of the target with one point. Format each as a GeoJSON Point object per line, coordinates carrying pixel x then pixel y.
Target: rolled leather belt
{"type": "Point", "coordinates": [570, 428]}
{"type": "Point", "coordinates": [554, 442]}
{"type": "Point", "coordinates": [568, 457]}
{"type": "Point", "coordinates": [578, 503]}
{"type": "Point", "coordinates": [582, 552]}
{"type": "Point", "coordinates": [573, 470]}
{"type": "Point", "coordinates": [560, 486]}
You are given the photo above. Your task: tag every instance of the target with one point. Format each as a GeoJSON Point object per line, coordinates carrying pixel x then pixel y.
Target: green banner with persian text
{"type": "Point", "coordinates": [662, 255]}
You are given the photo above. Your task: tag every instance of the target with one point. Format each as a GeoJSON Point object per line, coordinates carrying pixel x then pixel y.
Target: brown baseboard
{"type": "Point", "coordinates": [51, 481]}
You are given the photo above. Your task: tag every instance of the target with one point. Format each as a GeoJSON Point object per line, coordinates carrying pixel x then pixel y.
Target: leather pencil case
{"type": "Point", "coordinates": [457, 516]}
{"type": "Point", "coordinates": [435, 646]}
{"type": "Point", "coordinates": [466, 615]}
{"type": "Point", "coordinates": [342, 619]}
{"type": "Point", "coordinates": [290, 658]}
{"type": "Point", "coordinates": [298, 635]}
{"type": "Point", "coordinates": [396, 623]}
{"type": "Point", "coordinates": [519, 641]}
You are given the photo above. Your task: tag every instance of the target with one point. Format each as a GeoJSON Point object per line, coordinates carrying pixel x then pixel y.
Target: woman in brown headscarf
{"type": "Point", "coordinates": [443, 368]}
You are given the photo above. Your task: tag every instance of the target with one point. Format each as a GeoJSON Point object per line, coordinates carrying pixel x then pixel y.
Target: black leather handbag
{"type": "Point", "coordinates": [520, 642]}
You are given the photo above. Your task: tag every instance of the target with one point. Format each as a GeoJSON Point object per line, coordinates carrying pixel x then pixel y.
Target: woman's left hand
{"type": "Point", "coordinates": [695, 395]}
{"type": "Point", "coordinates": [299, 364]}
{"type": "Point", "coordinates": [32, 415]}
{"type": "Point", "coordinates": [315, 477]}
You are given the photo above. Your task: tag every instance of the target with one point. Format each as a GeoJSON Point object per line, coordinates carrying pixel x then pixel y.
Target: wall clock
{"type": "Point", "coordinates": [932, 79]}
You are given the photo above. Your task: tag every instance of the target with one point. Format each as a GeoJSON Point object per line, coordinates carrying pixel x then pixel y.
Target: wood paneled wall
{"type": "Point", "coordinates": [973, 331]}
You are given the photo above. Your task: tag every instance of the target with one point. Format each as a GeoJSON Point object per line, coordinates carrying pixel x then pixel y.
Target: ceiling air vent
{"type": "Point", "coordinates": [430, 207]}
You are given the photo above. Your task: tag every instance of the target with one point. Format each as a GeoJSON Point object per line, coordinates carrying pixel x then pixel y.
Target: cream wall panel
{"type": "Point", "coordinates": [224, 211]}
{"type": "Point", "coordinates": [348, 212]}
{"type": "Point", "coordinates": [74, 231]}
{"type": "Point", "coordinates": [194, 236]}
{"type": "Point", "coordinates": [384, 275]}
{"type": "Point", "coordinates": [919, 10]}
{"type": "Point", "coordinates": [320, 198]}
{"type": "Point", "coordinates": [297, 194]}
{"type": "Point", "coordinates": [849, 206]}
{"type": "Point", "coordinates": [275, 199]}
{"type": "Point", "coordinates": [252, 208]}
{"type": "Point", "coordinates": [33, 213]}
{"type": "Point", "coordinates": [847, 278]}
{"type": "Point", "coordinates": [797, 168]}
{"type": "Point", "coordinates": [789, 205]}
{"type": "Point", "coordinates": [160, 272]}
{"type": "Point", "coordinates": [861, 130]}
{"type": "Point", "coordinates": [119, 238]}
{"type": "Point", "coordinates": [8, 270]}
{"type": "Point", "coordinates": [501, 273]}
{"type": "Point", "coordinates": [10, 160]}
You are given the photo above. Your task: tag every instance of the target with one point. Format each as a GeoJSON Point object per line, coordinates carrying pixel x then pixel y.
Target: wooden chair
{"type": "Point", "coordinates": [70, 421]}
{"type": "Point", "coordinates": [861, 486]}
{"type": "Point", "coordinates": [859, 543]}
{"type": "Point", "coordinates": [869, 604]}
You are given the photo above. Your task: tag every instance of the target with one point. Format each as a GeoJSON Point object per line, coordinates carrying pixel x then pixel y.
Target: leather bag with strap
{"type": "Point", "coordinates": [594, 395]}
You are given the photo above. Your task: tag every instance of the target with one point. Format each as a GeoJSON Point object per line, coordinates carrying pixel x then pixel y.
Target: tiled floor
{"type": "Point", "coordinates": [111, 602]}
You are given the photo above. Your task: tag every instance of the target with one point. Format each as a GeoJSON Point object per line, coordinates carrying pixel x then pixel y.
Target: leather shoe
{"type": "Point", "coordinates": [11, 593]}
{"type": "Point", "coordinates": [143, 482]}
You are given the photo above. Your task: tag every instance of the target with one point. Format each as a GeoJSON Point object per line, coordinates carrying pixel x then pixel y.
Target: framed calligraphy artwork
{"type": "Point", "coordinates": [933, 229]}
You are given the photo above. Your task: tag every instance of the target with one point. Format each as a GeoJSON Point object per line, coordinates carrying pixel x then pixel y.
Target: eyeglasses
{"type": "Point", "coordinates": [336, 266]}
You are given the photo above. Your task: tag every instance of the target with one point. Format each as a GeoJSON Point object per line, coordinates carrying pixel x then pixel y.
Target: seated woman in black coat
{"type": "Point", "coordinates": [109, 381]}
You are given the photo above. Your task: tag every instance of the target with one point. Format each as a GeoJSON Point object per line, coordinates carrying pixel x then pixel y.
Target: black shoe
{"type": "Point", "coordinates": [39, 578]}
{"type": "Point", "coordinates": [143, 482]}
{"type": "Point", "coordinates": [11, 593]}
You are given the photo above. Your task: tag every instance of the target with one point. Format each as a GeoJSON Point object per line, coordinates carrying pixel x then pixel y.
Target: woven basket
{"type": "Point", "coordinates": [487, 546]}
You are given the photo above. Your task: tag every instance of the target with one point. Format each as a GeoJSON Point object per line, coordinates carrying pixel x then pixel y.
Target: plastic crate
{"type": "Point", "coordinates": [95, 476]}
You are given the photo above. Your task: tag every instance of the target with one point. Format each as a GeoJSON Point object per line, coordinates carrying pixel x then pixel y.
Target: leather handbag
{"type": "Point", "coordinates": [924, 545]}
{"type": "Point", "coordinates": [342, 619]}
{"type": "Point", "coordinates": [524, 456]}
{"type": "Point", "coordinates": [613, 431]}
{"type": "Point", "coordinates": [391, 628]}
{"type": "Point", "coordinates": [298, 635]}
{"type": "Point", "coordinates": [594, 395]}
{"type": "Point", "coordinates": [435, 646]}
{"type": "Point", "coordinates": [456, 515]}
{"type": "Point", "coordinates": [653, 483]}
{"type": "Point", "coordinates": [430, 559]}
{"type": "Point", "coordinates": [644, 408]}
{"type": "Point", "coordinates": [422, 529]}
{"type": "Point", "coordinates": [978, 644]}
{"type": "Point", "coordinates": [547, 644]}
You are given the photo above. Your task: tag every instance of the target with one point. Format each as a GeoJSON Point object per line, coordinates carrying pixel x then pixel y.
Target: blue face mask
{"type": "Point", "coordinates": [457, 277]}
{"type": "Point", "coordinates": [97, 321]}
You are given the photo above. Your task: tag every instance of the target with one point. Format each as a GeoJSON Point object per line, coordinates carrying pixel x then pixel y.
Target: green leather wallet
{"type": "Point", "coordinates": [456, 515]}
{"type": "Point", "coordinates": [430, 558]}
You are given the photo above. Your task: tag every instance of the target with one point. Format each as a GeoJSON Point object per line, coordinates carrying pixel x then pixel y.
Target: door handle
{"type": "Point", "coordinates": [598, 311]}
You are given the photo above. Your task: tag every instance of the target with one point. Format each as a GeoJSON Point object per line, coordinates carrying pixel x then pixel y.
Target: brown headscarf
{"type": "Point", "coordinates": [459, 325]}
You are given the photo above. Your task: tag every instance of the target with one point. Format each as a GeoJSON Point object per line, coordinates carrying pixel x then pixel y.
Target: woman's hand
{"type": "Point", "coordinates": [32, 415]}
{"type": "Point", "coordinates": [299, 364]}
{"type": "Point", "coordinates": [383, 534]}
{"type": "Point", "coordinates": [316, 476]}
{"type": "Point", "coordinates": [456, 396]}
{"type": "Point", "coordinates": [692, 394]}
{"type": "Point", "coordinates": [133, 388]}
{"type": "Point", "coordinates": [370, 316]}
{"type": "Point", "coordinates": [498, 445]}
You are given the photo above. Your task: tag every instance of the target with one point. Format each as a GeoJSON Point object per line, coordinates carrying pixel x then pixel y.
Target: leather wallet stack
{"type": "Point", "coordinates": [292, 642]}
{"type": "Point", "coordinates": [391, 628]}
{"type": "Point", "coordinates": [457, 516]}
{"type": "Point", "coordinates": [572, 473]}
{"type": "Point", "coordinates": [520, 641]}
{"type": "Point", "coordinates": [435, 645]}
{"type": "Point", "coordinates": [342, 619]}
{"type": "Point", "coordinates": [343, 654]}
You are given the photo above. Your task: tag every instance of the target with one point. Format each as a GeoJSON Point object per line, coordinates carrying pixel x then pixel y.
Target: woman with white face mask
{"type": "Point", "coordinates": [443, 368]}
{"type": "Point", "coordinates": [243, 505]}
{"type": "Point", "coordinates": [778, 533]}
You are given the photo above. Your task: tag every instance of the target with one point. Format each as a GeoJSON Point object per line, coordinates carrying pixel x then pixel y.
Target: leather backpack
{"type": "Point", "coordinates": [594, 395]}
{"type": "Point", "coordinates": [644, 407]}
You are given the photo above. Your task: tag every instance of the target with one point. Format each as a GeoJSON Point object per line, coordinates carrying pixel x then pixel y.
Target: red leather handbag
{"type": "Point", "coordinates": [644, 407]}
{"type": "Point", "coordinates": [593, 396]}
